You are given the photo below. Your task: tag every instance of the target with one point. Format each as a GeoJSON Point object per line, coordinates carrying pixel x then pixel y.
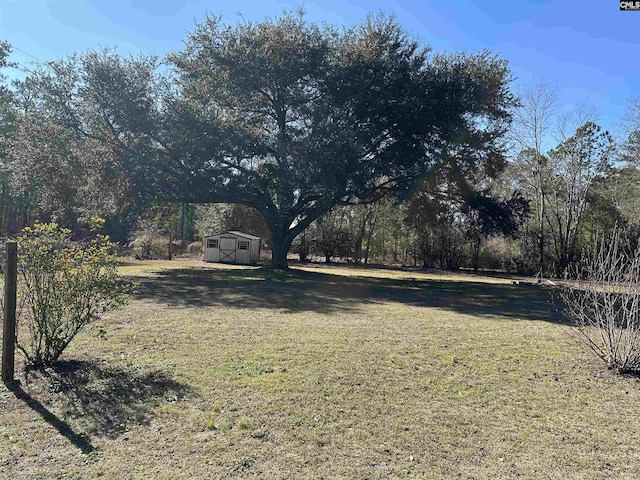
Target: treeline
{"type": "Point", "coordinates": [413, 233]}
{"type": "Point", "coordinates": [370, 151]}
{"type": "Point", "coordinates": [537, 214]}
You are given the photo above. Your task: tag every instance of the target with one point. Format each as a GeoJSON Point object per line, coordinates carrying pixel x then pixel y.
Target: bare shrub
{"type": "Point", "coordinates": [601, 296]}
{"type": "Point", "coordinates": [194, 249]}
{"type": "Point", "coordinates": [149, 248]}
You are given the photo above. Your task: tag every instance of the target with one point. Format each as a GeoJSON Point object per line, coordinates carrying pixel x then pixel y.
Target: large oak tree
{"type": "Point", "coordinates": [289, 117]}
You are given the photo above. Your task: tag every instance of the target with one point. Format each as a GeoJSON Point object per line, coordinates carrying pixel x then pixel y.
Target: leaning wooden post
{"type": "Point", "coordinates": [9, 327]}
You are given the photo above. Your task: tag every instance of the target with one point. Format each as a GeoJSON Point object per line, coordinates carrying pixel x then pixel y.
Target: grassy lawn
{"type": "Point", "coordinates": [218, 371]}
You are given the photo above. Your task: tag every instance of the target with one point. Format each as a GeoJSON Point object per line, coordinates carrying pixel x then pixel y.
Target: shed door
{"type": "Point", "coordinates": [228, 250]}
{"type": "Point", "coordinates": [242, 255]}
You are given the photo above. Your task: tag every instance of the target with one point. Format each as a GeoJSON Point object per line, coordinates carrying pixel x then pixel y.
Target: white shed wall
{"type": "Point", "coordinates": [231, 248]}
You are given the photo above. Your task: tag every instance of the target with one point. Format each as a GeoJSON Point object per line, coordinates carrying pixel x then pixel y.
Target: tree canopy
{"type": "Point", "coordinates": [284, 116]}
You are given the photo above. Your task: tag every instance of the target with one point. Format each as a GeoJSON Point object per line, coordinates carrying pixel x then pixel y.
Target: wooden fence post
{"type": "Point", "coordinates": [9, 326]}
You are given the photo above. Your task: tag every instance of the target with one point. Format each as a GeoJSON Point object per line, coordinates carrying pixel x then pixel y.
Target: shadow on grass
{"type": "Point", "coordinates": [80, 441]}
{"type": "Point", "coordinates": [106, 401]}
{"type": "Point", "coordinates": [300, 291]}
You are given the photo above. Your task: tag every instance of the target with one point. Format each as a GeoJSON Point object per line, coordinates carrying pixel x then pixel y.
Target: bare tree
{"type": "Point", "coordinates": [630, 128]}
{"type": "Point", "coordinates": [631, 120]}
{"type": "Point", "coordinates": [567, 123]}
{"type": "Point", "coordinates": [575, 164]}
{"type": "Point", "coordinates": [531, 125]}
{"type": "Point", "coordinates": [602, 299]}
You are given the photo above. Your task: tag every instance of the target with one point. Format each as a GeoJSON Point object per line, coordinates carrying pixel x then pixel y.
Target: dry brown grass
{"type": "Point", "coordinates": [236, 372]}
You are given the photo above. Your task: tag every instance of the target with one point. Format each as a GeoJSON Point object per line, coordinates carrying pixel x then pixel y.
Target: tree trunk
{"type": "Point", "coordinates": [476, 254]}
{"type": "Point", "coordinates": [541, 239]}
{"type": "Point", "coordinates": [303, 250]}
{"type": "Point", "coordinates": [563, 259]}
{"type": "Point", "coordinates": [279, 250]}
{"type": "Point", "coordinates": [283, 234]}
{"type": "Point", "coordinates": [360, 239]}
{"type": "Point", "coordinates": [170, 244]}
{"type": "Point", "coordinates": [372, 226]}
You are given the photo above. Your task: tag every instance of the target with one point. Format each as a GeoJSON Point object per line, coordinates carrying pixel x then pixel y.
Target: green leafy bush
{"type": "Point", "coordinates": [62, 287]}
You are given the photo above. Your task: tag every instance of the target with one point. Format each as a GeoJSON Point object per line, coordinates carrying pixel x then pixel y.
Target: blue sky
{"type": "Point", "coordinates": [588, 48]}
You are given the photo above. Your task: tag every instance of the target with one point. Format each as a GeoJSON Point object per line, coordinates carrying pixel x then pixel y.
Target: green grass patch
{"type": "Point", "coordinates": [244, 368]}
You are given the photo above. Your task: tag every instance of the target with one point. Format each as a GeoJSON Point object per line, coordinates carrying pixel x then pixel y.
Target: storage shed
{"type": "Point", "coordinates": [232, 247]}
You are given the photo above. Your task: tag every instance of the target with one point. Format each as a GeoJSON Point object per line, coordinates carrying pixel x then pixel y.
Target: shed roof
{"type": "Point", "coordinates": [236, 233]}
